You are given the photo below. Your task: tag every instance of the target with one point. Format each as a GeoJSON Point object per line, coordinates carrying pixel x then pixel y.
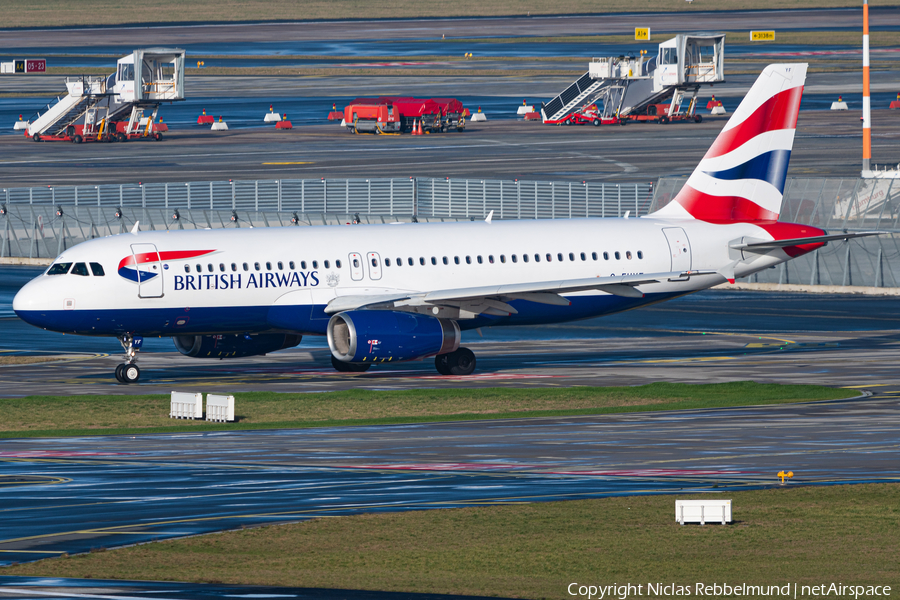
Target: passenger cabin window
{"type": "Point", "coordinates": [410, 261]}
{"type": "Point", "coordinates": [537, 258]}
{"type": "Point", "coordinates": [456, 260]}
{"type": "Point", "coordinates": [97, 270]}
{"type": "Point", "coordinates": [399, 262]}
{"type": "Point", "coordinates": [210, 267]}
{"type": "Point", "coordinates": [199, 268]}
{"type": "Point", "coordinates": [524, 258]}
{"type": "Point", "coordinates": [234, 266]}
{"type": "Point", "coordinates": [246, 267]}
{"type": "Point", "coordinates": [468, 260]}
{"type": "Point", "coordinates": [315, 264]}
{"type": "Point", "coordinates": [513, 257]}
{"type": "Point", "coordinates": [549, 257]}
{"type": "Point", "coordinates": [445, 260]}
{"type": "Point", "coordinates": [479, 259]}
{"type": "Point", "coordinates": [491, 258]}
{"type": "Point", "coordinates": [337, 264]}
{"type": "Point", "coordinates": [503, 258]}
{"type": "Point", "coordinates": [628, 254]}
{"type": "Point", "coordinates": [268, 266]}
{"type": "Point", "coordinates": [222, 267]}
{"type": "Point", "coordinates": [559, 256]}
{"type": "Point", "coordinates": [256, 266]}
{"type": "Point", "coordinates": [618, 256]}
{"type": "Point", "coordinates": [187, 268]}
{"type": "Point", "coordinates": [280, 266]}
{"type": "Point", "coordinates": [387, 262]}
{"type": "Point", "coordinates": [640, 255]}
{"type": "Point", "coordinates": [303, 264]}
{"type": "Point", "coordinates": [80, 269]}
{"type": "Point", "coordinates": [327, 265]}
{"type": "Point", "coordinates": [433, 260]}
{"type": "Point", "coordinates": [291, 265]}
{"type": "Point", "coordinates": [594, 255]}
{"type": "Point", "coordinates": [583, 256]}
{"type": "Point", "coordinates": [59, 269]}
{"type": "Point", "coordinates": [572, 256]}
{"type": "Point", "coordinates": [606, 256]}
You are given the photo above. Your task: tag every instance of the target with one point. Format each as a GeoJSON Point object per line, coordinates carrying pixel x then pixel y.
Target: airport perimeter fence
{"type": "Point", "coordinates": [834, 204]}
{"type": "Point", "coordinates": [41, 222]}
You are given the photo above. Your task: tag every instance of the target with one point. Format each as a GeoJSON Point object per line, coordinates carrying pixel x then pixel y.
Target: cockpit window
{"type": "Point", "coordinates": [59, 269]}
{"type": "Point", "coordinates": [97, 269]}
{"type": "Point", "coordinates": [80, 269]}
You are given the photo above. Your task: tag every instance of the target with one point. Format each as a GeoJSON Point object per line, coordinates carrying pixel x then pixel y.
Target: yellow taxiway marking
{"type": "Point", "coordinates": [868, 385]}
{"type": "Point", "coordinates": [288, 163]}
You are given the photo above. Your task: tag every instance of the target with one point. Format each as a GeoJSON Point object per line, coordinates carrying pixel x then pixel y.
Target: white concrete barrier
{"type": "Point", "coordinates": [839, 106]}
{"type": "Point", "coordinates": [703, 511]}
{"type": "Point", "coordinates": [219, 125]}
{"type": "Point", "coordinates": [525, 109]}
{"type": "Point", "coordinates": [219, 408]}
{"type": "Point", "coordinates": [717, 110]}
{"type": "Point", "coordinates": [272, 117]}
{"type": "Point", "coordinates": [478, 117]}
{"type": "Point", "coordinates": [186, 406]}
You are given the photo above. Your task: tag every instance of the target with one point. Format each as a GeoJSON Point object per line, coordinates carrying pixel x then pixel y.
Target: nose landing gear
{"type": "Point", "coordinates": [128, 372]}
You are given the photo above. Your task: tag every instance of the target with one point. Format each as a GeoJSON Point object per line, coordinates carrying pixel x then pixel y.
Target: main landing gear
{"type": "Point", "coordinates": [459, 362]}
{"type": "Point", "coordinates": [128, 372]}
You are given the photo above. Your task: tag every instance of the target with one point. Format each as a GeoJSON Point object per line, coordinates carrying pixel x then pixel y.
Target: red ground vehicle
{"type": "Point", "coordinates": [367, 115]}
{"type": "Point", "coordinates": [435, 114]}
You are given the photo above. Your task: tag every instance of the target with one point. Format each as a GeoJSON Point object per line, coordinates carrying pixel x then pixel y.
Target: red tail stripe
{"type": "Point", "coordinates": [148, 257]}
{"type": "Point", "coordinates": [778, 112]}
{"type": "Point", "coordinates": [721, 209]}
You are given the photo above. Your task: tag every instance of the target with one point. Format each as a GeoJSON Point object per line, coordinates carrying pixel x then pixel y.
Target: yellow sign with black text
{"type": "Point", "coordinates": [642, 33]}
{"type": "Point", "coordinates": [762, 36]}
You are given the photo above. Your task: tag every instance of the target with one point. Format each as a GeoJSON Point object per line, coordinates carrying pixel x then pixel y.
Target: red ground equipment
{"type": "Point", "coordinates": [374, 115]}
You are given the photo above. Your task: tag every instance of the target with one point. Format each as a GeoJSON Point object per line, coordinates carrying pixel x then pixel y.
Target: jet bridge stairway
{"type": "Point", "coordinates": [585, 90]}
{"type": "Point", "coordinates": [84, 93]}
{"type": "Point", "coordinates": [634, 88]}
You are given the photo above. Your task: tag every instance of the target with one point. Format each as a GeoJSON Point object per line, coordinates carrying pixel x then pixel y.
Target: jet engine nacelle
{"type": "Point", "coordinates": [366, 336]}
{"type": "Point", "coordinates": [233, 346]}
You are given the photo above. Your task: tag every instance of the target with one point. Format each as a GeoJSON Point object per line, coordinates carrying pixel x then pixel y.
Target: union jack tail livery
{"type": "Point", "coordinates": [741, 177]}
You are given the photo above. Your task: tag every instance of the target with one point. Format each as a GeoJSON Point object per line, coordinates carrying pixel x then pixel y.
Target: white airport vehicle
{"type": "Point", "coordinates": [392, 293]}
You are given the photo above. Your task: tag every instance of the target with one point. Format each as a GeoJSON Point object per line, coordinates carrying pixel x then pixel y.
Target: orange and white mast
{"type": "Point", "coordinates": [867, 104]}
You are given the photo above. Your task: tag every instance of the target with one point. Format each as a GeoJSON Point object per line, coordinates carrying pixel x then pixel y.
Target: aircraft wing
{"type": "Point", "coordinates": [773, 244]}
{"type": "Point", "coordinates": [493, 299]}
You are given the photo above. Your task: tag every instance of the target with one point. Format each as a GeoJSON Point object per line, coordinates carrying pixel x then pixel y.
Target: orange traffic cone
{"type": "Point", "coordinates": [420, 127]}
{"type": "Point", "coordinates": [415, 131]}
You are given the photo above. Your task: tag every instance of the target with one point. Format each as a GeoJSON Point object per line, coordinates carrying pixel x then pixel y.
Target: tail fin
{"type": "Point", "coordinates": [741, 178]}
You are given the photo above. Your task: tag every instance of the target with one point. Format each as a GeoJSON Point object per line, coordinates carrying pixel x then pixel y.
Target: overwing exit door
{"type": "Point", "coordinates": [148, 269]}
{"type": "Point", "coordinates": [679, 248]}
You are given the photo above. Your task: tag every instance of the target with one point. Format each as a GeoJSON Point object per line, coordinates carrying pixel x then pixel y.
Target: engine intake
{"type": "Point", "coordinates": [362, 336]}
{"type": "Point", "coordinates": [233, 346]}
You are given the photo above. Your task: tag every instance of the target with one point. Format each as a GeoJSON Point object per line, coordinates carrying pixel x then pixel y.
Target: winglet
{"type": "Point", "coordinates": [136, 227]}
{"type": "Point", "coordinates": [489, 217]}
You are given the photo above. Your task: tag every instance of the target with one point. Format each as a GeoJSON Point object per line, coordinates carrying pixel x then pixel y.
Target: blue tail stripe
{"type": "Point", "coordinates": [770, 166]}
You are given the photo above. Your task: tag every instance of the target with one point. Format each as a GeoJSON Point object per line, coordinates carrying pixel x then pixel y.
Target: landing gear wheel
{"type": "Point", "coordinates": [36, 137]}
{"type": "Point", "coordinates": [77, 139]}
{"type": "Point", "coordinates": [157, 136]}
{"type": "Point", "coordinates": [596, 122]}
{"type": "Point", "coordinates": [120, 137]}
{"type": "Point", "coordinates": [130, 373]}
{"type": "Point", "coordinates": [698, 118]}
{"type": "Point", "coordinates": [119, 369]}
{"type": "Point", "coordinates": [345, 367]}
{"type": "Point", "coordinates": [442, 364]}
{"type": "Point", "coordinates": [458, 362]}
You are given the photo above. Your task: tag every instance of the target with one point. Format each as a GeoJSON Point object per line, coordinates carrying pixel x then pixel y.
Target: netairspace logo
{"type": "Point", "coordinates": [724, 590]}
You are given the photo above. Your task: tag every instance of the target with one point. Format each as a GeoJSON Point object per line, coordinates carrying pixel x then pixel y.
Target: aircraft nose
{"type": "Point", "coordinates": [28, 301]}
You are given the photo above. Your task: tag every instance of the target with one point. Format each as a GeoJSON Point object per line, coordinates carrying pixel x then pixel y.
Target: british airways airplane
{"type": "Point", "coordinates": [393, 293]}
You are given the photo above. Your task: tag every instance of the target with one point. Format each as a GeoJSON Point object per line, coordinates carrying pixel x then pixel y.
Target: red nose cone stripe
{"type": "Point", "coordinates": [149, 257]}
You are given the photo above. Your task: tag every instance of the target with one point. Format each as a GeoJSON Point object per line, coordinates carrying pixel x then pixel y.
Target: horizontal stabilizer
{"type": "Point", "coordinates": [818, 239]}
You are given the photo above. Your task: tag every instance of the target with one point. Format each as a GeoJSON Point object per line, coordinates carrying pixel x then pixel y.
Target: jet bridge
{"type": "Point", "coordinates": [143, 81]}
{"type": "Point", "coordinates": [636, 87]}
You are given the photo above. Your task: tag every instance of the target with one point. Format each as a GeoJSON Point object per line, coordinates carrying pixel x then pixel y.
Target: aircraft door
{"type": "Point", "coordinates": [356, 266]}
{"type": "Point", "coordinates": [149, 270]}
{"type": "Point", "coordinates": [679, 248]}
{"type": "Point", "coordinates": [374, 261]}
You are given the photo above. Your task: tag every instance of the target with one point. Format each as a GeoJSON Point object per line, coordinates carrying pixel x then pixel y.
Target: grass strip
{"type": "Point", "coordinates": [52, 416]}
{"type": "Point", "coordinates": [804, 535]}
{"type": "Point", "coordinates": [61, 13]}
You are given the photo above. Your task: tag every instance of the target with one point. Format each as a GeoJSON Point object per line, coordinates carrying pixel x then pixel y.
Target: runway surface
{"type": "Point", "coordinates": [491, 150]}
{"type": "Point", "coordinates": [103, 492]}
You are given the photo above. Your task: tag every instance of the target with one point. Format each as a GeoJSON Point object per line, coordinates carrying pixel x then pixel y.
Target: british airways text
{"type": "Point", "coordinates": [237, 281]}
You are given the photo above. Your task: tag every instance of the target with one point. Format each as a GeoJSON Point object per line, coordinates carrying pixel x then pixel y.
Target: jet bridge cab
{"type": "Point", "coordinates": [689, 58]}
{"type": "Point", "coordinates": [150, 75]}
